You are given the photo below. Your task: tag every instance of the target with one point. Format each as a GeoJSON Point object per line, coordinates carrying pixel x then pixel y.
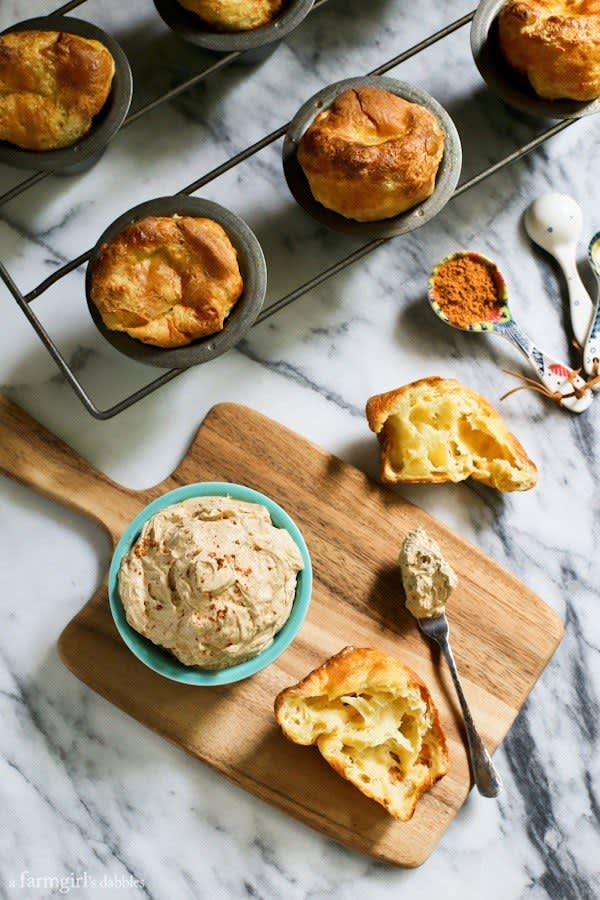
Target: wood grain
{"type": "Point", "coordinates": [503, 634]}
{"type": "Point", "coordinates": [35, 457]}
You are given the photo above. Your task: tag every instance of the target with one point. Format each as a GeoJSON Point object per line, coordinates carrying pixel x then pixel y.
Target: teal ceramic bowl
{"type": "Point", "coordinates": [161, 660]}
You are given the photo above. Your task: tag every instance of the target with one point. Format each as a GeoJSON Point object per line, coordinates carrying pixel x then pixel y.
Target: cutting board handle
{"type": "Point", "coordinates": [38, 459]}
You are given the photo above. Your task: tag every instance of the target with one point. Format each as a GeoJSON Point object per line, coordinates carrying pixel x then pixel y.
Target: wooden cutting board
{"type": "Point", "coordinates": [503, 634]}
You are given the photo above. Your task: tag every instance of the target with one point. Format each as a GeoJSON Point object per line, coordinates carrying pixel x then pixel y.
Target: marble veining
{"type": "Point", "coordinates": [85, 789]}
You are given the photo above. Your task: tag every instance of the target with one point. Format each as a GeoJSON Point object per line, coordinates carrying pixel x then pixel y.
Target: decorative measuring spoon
{"type": "Point", "coordinates": [554, 221]}
{"type": "Point", "coordinates": [554, 375]}
{"type": "Point", "coordinates": [591, 350]}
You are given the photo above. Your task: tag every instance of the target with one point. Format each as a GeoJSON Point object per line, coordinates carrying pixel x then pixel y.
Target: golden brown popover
{"type": "Point", "coordinates": [436, 430]}
{"type": "Point", "coordinates": [234, 15]}
{"type": "Point", "coordinates": [52, 84]}
{"type": "Point", "coordinates": [167, 280]}
{"type": "Point", "coordinates": [375, 723]}
{"type": "Point", "coordinates": [371, 155]}
{"type": "Point", "coordinates": [555, 44]}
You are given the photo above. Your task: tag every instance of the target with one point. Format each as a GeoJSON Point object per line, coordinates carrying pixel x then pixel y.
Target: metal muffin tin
{"type": "Point", "coordinates": [509, 85]}
{"type": "Point", "coordinates": [132, 396]}
{"type": "Point", "coordinates": [104, 126]}
{"type": "Point", "coordinates": [447, 176]}
{"type": "Point", "coordinates": [191, 28]}
{"type": "Point", "coordinates": [252, 267]}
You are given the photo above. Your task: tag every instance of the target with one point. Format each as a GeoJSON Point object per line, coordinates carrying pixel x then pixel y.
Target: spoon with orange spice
{"type": "Point", "coordinates": [468, 291]}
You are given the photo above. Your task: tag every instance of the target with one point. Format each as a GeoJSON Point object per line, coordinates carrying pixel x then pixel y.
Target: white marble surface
{"type": "Point", "coordinates": [85, 789]}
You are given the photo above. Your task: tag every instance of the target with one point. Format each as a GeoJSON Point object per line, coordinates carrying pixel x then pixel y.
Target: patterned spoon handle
{"type": "Point", "coordinates": [591, 350]}
{"type": "Point", "coordinates": [580, 303]}
{"type": "Point", "coordinates": [553, 374]}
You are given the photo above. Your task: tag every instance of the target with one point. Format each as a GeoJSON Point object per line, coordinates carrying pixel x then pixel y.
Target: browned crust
{"type": "Point", "coordinates": [52, 84]}
{"type": "Point", "coordinates": [167, 280]}
{"type": "Point", "coordinates": [380, 406]}
{"type": "Point", "coordinates": [366, 140]}
{"type": "Point", "coordinates": [378, 409]}
{"type": "Point", "coordinates": [555, 45]}
{"type": "Point", "coordinates": [337, 675]}
{"type": "Point", "coordinates": [234, 15]}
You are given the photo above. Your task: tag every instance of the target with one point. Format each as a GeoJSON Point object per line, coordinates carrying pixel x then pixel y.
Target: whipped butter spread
{"type": "Point", "coordinates": [428, 579]}
{"type": "Point", "coordinates": [211, 579]}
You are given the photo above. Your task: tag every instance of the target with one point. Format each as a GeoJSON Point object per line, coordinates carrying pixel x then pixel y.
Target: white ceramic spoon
{"type": "Point", "coordinates": [553, 221]}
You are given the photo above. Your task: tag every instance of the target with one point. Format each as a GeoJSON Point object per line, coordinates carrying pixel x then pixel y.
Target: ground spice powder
{"type": "Point", "coordinates": [466, 291]}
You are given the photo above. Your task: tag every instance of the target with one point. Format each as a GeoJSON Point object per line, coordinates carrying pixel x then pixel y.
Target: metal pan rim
{"type": "Point", "coordinates": [514, 91]}
{"type": "Point", "coordinates": [189, 27]}
{"type": "Point", "coordinates": [105, 125]}
{"type": "Point", "coordinates": [252, 266]}
{"type": "Point", "coordinates": [447, 176]}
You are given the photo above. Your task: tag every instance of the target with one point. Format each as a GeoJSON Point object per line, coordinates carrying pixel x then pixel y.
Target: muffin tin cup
{"type": "Point", "coordinates": [507, 84]}
{"type": "Point", "coordinates": [88, 149]}
{"type": "Point", "coordinates": [254, 45]}
{"type": "Point", "coordinates": [84, 166]}
{"type": "Point", "coordinates": [447, 176]}
{"type": "Point", "coordinates": [252, 267]}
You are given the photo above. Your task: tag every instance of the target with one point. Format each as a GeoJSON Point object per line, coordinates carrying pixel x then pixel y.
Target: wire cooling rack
{"type": "Point", "coordinates": [24, 300]}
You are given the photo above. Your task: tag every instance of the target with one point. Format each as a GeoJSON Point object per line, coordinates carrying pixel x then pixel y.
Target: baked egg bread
{"type": "Point", "coordinates": [234, 15]}
{"type": "Point", "coordinates": [167, 280]}
{"type": "Point", "coordinates": [555, 44]}
{"type": "Point", "coordinates": [371, 155]}
{"type": "Point", "coordinates": [374, 721]}
{"type": "Point", "coordinates": [52, 84]}
{"type": "Point", "coordinates": [437, 430]}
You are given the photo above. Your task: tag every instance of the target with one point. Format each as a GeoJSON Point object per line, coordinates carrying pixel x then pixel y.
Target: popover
{"type": "Point", "coordinates": [555, 44]}
{"type": "Point", "coordinates": [234, 15]}
{"type": "Point", "coordinates": [371, 155]}
{"type": "Point", "coordinates": [52, 84]}
{"type": "Point", "coordinates": [436, 430]}
{"type": "Point", "coordinates": [167, 280]}
{"type": "Point", "coordinates": [374, 721]}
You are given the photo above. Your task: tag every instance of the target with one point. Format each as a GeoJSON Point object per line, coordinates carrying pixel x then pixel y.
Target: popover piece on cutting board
{"type": "Point", "coordinates": [52, 84]}
{"type": "Point", "coordinates": [234, 15]}
{"type": "Point", "coordinates": [371, 155]}
{"type": "Point", "coordinates": [167, 280]}
{"type": "Point", "coordinates": [555, 44]}
{"type": "Point", "coordinates": [437, 430]}
{"type": "Point", "coordinates": [375, 723]}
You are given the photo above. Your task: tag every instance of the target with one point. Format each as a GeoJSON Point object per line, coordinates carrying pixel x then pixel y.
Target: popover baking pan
{"type": "Point", "coordinates": [104, 126]}
{"type": "Point", "coordinates": [447, 176]}
{"type": "Point", "coordinates": [252, 267]}
{"type": "Point", "coordinates": [509, 85]}
{"type": "Point", "coordinates": [190, 27]}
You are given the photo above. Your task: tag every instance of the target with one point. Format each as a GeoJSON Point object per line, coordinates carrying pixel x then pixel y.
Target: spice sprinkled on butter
{"type": "Point", "coordinates": [211, 579]}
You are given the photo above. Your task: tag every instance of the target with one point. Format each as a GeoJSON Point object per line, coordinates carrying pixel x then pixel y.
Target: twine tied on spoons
{"type": "Point", "coordinates": [531, 384]}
